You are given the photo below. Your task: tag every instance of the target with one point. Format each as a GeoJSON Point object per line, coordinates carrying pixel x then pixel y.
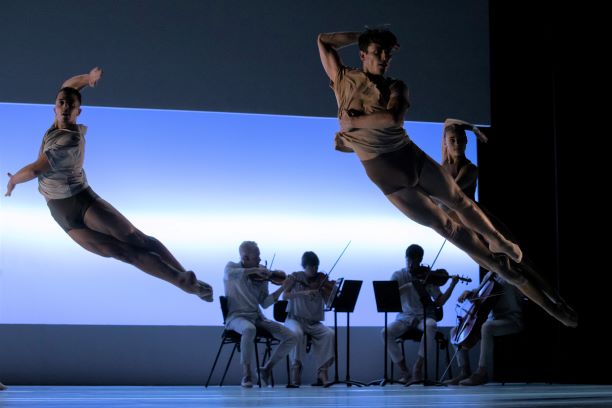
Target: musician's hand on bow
{"type": "Point", "coordinates": [288, 283]}
{"type": "Point", "coordinates": [465, 295]}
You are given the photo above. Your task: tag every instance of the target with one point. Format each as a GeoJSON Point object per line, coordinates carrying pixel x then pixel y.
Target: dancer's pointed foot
{"type": "Point", "coordinates": [188, 282]}
{"type": "Point", "coordinates": [3, 387]}
{"type": "Point", "coordinates": [205, 291]}
{"type": "Point", "coordinates": [566, 315]}
{"type": "Point", "coordinates": [508, 248]}
{"type": "Point", "coordinates": [555, 305]}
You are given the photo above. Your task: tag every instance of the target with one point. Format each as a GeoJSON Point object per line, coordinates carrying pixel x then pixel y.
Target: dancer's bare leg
{"type": "Point", "coordinates": [101, 216]}
{"type": "Point", "coordinates": [534, 286]}
{"type": "Point", "coordinates": [110, 234]}
{"type": "Point", "coordinates": [417, 205]}
{"type": "Point", "coordinates": [143, 259]}
{"type": "Point", "coordinates": [438, 184]}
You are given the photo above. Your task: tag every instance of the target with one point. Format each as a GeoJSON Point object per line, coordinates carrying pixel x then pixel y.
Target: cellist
{"type": "Point", "coordinates": [506, 317]}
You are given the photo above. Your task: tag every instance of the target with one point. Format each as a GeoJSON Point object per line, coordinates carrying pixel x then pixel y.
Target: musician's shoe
{"type": "Point", "coordinates": [322, 376]}
{"type": "Point", "coordinates": [246, 382]}
{"type": "Point", "coordinates": [404, 378]}
{"type": "Point", "coordinates": [265, 376]}
{"type": "Point", "coordinates": [296, 375]}
{"type": "Point", "coordinates": [317, 383]}
{"type": "Point", "coordinates": [457, 379]}
{"type": "Point", "coordinates": [417, 370]}
{"type": "Point", "coordinates": [476, 378]}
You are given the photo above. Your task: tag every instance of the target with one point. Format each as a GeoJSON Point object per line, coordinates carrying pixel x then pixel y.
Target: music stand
{"type": "Point", "coordinates": [387, 301]}
{"type": "Point", "coordinates": [344, 302]}
{"type": "Point", "coordinates": [427, 304]}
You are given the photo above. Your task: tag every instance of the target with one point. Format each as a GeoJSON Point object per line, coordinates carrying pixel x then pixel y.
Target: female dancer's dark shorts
{"type": "Point", "coordinates": [396, 170]}
{"type": "Point", "coordinates": [69, 212]}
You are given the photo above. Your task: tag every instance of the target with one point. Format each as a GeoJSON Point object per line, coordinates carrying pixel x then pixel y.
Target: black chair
{"type": "Point", "coordinates": [280, 315]}
{"type": "Point", "coordinates": [415, 334]}
{"type": "Point", "coordinates": [231, 337]}
{"type": "Point", "coordinates": [510, 358]}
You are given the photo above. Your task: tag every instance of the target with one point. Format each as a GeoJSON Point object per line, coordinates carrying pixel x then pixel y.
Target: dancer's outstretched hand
{"type": "Point", "coordinates": [94, 76]}
{"type": "Point", "coordinates": [481, 136]}
{"type": "Point", "coordinates": [10, 186]}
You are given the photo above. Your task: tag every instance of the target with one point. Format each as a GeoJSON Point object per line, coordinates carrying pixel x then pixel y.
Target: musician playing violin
{"type": "Point", "coordinates": [506, 317]}
{"type": "Point", "coordinates": [306, 293]}
{"type": "Point", "coordinates": [246, 288]}
{"type": "Point", "coordinates": [412, 290]}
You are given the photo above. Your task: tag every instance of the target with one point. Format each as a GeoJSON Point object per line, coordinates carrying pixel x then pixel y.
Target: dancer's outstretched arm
{"type": "Point", "coordinates": [29, 172]}
{"type": "Point", "coordinates": [81, 81]}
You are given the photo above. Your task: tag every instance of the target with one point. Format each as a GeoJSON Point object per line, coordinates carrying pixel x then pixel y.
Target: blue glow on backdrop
{"type": "Point", "coordinates": [202, 182]}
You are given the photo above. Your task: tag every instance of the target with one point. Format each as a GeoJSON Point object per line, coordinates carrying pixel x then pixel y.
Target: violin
{"type": "Point", "coordinates": [319, 282]}
{"type": "Point", "coordinates": [276, 277]}
{"type": "Point", "coordinates": [436, 277]}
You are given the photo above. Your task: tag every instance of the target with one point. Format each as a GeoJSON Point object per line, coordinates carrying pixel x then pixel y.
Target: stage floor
{"type": "Point", "coordinates": [491, 395]}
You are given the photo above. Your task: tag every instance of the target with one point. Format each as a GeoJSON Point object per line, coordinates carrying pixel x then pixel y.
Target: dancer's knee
{"type": "Point", "coordinates": [137, 238]}
{"type": "Point", "coordinates": [459, 202]}
{"type": "Point", "coordinates": [448, 228]}
{"type": "Point", "coordinates": [123, 254]}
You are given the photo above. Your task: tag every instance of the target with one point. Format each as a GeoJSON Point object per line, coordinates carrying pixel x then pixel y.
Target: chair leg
{"type": "Point", "coordinates": [214, 364]}
{"type": "Point", "coordinates": [257, 363]}
{"type": "Point", "coordinates": [288, 369]}
{"type": "Point", "coordinates": [269, 352]}
{"type": "Point", "coordinates": [437, 361]}
{"type": "Point", "coordinates": [448, 360]}
{"type": "Point", "coordinates": [228, 364]}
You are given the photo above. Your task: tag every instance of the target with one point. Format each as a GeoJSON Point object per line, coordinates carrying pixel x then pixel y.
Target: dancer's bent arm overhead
{"type": "Point", "coordinates": [89, 220]}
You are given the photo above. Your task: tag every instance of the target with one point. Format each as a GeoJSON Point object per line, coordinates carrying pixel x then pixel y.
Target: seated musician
{"type": "Point", "coordinates": [506, 317]}
{"type": "Point", "coordinates": [246, 287]}
{"type": "Point", "coordinates": [305, 292]}
{"type": "Point", "coordinates": [412, 291]}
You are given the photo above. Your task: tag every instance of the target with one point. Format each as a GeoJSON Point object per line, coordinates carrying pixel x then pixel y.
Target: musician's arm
{"type": "Point", "coordinates": [441, 300]}
{"type": "Point", "coordinates": [292, 293]}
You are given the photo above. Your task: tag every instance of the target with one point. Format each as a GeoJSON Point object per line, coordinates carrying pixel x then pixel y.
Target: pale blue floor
{"type": "Point", "coordinates": [532, 395]}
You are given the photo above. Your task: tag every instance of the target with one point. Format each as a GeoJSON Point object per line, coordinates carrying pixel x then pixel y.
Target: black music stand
{"type": "Point", "coordinates": [427, 304]}
{"type": "Point", "coordinates": [387, 301]}
{"type": "Point", "coordinates": [344, 302]}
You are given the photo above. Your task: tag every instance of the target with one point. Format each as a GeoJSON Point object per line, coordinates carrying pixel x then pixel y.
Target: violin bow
{"type": "Point", "coordinates": [438, 254]}
{"type": "Point", "coordinates": [271, 263]}
{"type": "Point", "coordinates": [335, 263]}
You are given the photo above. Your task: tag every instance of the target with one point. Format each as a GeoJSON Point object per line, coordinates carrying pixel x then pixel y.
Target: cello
{"type": "Point", "coordinates": [468, 330]}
